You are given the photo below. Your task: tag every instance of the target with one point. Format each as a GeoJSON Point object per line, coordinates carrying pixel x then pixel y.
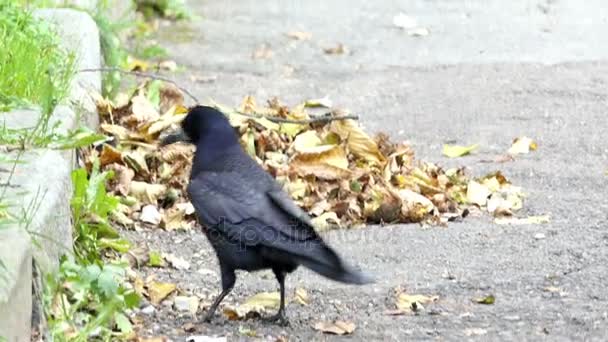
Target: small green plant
{"type": "Point", "coordinates": [86, 300]}
{"type": "Point", "coordinates": [33, 67]}
{"type": "Point", "coordinates": [91, 206]}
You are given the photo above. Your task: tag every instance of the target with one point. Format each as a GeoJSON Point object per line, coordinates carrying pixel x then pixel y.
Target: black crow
{"type": "Point", "coordinates": [250, 222]}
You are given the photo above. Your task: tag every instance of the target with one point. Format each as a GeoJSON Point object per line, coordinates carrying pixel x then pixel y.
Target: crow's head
{"type": "Point", "coordinates": [203, 123]}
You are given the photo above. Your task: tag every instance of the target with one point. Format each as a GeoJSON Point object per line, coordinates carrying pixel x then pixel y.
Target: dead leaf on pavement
{"type": "Point", "coordinates": [262, 52]}
{"type": "Point", "coordinates": [326, 221]}
{"type": "Point", "coordinates": [413, 303]}
{"type": "Point", "coordinates": [325, 162]}
{"type": "Point", "coordinates": [488, 300]}
{"type": "Point", "coordinates": [477, 193]}
{"type": "Point", "coordinates": [176, 262]}
{"type": "Point", "coordinates": [324, 102]}
{"type": "Point", "coordinates": [158, 291]}
{"type": "Point", "coordinates": [522, 145]}
{"type": "Point", "coordinates": [301, 296]}
{"type": "Point", "coordinates": [339, 49]}
{"type": "Point", "coordinates": [258, 304]}
{"type": "Point", "coordinates": [541, 219]}
{"type": "Point", "coordinates": [146, 192]}
{"type": "Point", "coordinates": [299, 35]}
{"type": "Point", "coordinates": [454, 151]}
{"type": "Point", "coordinates": [336, 327]}
{"type": "Point", "coordinates": [359, 143]}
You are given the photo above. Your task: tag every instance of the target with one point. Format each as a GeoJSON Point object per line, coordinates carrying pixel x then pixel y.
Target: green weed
{"type": "Point", "coordinates": [33, 67]}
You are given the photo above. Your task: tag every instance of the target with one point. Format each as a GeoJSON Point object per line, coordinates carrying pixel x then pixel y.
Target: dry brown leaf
{"type": "Point", "coordinates": [109, 155]}
{"type": "Point", "coordinates": [299, 35]}
{"type": "Point", "coordinates": [158, 291]}
{"type": "Point", "coordinates": [336, 50]}
{"type": "Point", "coordinates": [152, 339]}
{"type": "Point", "coordinates": [541, 219]}
{"type": "Point", "coordinates": [407, 302]}
{"type": "Point", "coordinates": [359, 143]}
{"type": "Point", "coordinates": [325, 162]}
{"type": "Point", "coordinates": [118, 131]}
{"type": "Point", "coordinates": [165, 121]}
{"type": "Point", "coordinates": [522, 145]}
{"type": "Point", "coordinates": [136, 159]}
{"type": "Point", "coordinates": [258, 304]}
{"type": "Point", "coordinates": [306, 141]}
{"type": "Point", "coordinates": [170, 97]}
{"type": "Point", "coordinates": [262, 52]}
{"type": "Point", "coordinates": [146, 192]}
{"type": "Point", "coordinates": [326, 221]}
{"type": "Point", "coordinates": [175, 218]}
{"type": "Point", "coordinates": [143, 110]}
{"type": "Point", "coordinates": [336, 327]}
{"type": "Point", "coordinates": [121, 183]}
{"type": "Point", "coordinates": [301, 296]}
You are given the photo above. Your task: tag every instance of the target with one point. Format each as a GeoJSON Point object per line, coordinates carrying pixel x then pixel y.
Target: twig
{"type": "Point", "coordinates": [314, 119]}
{"type": "Point", "coordinates": [142, 74]}
{"type": "Point", "coordinates": [325, 118]}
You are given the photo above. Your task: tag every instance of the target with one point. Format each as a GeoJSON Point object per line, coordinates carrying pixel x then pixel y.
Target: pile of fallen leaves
{"type": "Point", "coordinates": [331, 167]}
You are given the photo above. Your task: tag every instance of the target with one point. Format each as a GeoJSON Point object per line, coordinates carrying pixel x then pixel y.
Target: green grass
{"type": "Point", "coordinates": [33, 67]}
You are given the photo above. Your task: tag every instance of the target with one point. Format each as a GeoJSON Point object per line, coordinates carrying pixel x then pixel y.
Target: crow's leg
{"type": "Point", "coordinates": [228, 280]}
{"type": "Point", "coordinates": [280, 316]}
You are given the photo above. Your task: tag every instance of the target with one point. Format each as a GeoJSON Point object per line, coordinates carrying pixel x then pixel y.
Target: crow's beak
{"type": "Point", "coordinates": [175, 136]}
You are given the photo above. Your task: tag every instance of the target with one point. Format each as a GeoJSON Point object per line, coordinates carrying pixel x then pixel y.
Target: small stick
{"type": "Point", "coordinates": [142, 74]}
{"type": "Point", "coordinates": [313, 119]}
{"type": "Point", "coordinates": [252, 116]}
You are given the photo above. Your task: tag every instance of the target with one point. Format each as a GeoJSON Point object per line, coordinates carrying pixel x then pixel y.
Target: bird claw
{"type": "Point", "coordinates": [279, 319]}
{"type": "Point", "coordinates": [208, 318]}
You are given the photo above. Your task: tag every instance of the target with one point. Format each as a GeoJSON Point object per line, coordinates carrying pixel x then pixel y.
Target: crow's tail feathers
{"type": "Point", "coordinates": [327, 263]}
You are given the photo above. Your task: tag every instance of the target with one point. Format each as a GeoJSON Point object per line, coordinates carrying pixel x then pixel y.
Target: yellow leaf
{"type": "Point", "coordinates": [326, 221]}
{"type": "Point", "coordinates": [146, 192]}
{"type": "Point", "coordinates": [488, 300]}
{"type": "Point", "coordinates": [118, 131]}
{"type": "Point", "coordinates": [415, 302]}
{"type": "Point", "coordinates": [301, 296]}
{"type": "Point", "coordinates": [292, 129]}
{"type": "Point", "coordinates": [522, 145]}
{"type": "Point", "coordinates": [527, 220]}
{"type": "Point", "coordinates": [136, 160]}
{"type": "Point", "coordinates": [158, 291]}
{"type": "Point", "coordinates": [325, 162]}
{"type": "Point", "coordinates": [248, 105]}
{"type": "Point", "coordinates": [305, 141]}
{"type": "Point", "coordinates": [175, 218]}
{"type": "Point", "coordinates": [296, 189]}
{"type": "Point", "coordinates": [359, 143]}
{"type": "Point", "coordinates": [336, 327]}
{"type": "Point", "coordinates": [322, 102]}
{"type": "Point", "coordinates": [454, 151]}
{"type": "Point", "coordinates": [255, 305]}
{"type": "Point", "coordinates": [165, 121]}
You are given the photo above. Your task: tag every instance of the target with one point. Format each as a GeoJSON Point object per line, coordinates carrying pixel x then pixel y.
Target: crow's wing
{"type": "Point", "coordinates": [235, 204]}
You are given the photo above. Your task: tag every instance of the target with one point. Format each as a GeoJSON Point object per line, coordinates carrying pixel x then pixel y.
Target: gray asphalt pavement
{"type": "Point", "coordinates": [489, 71]}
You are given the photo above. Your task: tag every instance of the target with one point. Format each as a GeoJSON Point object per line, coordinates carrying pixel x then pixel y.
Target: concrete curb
{"type": "Point", "coordinates": [42, 181]}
